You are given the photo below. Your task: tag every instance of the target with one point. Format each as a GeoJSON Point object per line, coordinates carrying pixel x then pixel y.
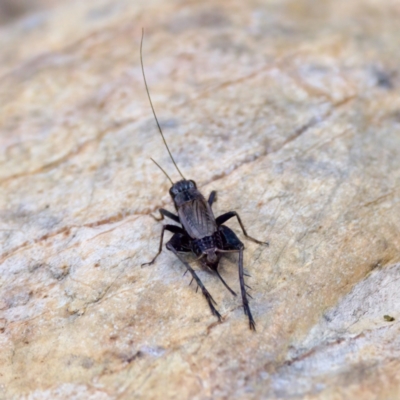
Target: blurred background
{"type": "Point", "coordinates": [12, 9]}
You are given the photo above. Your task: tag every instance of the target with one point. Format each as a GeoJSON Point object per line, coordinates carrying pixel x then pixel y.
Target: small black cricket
{"type": "Point", "coordinates": [200, 232]}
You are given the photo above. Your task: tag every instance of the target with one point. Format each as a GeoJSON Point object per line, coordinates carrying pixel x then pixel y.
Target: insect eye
{"type": "Point", "coordinates": [192, 184]}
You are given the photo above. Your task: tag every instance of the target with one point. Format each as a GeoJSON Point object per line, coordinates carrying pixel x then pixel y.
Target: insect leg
{"type": "Point", "coordinates": [245, 302]}
{"type": "Point", "coordinates": [224, 217]}
{"type": "Point", "coordinates": [166, 213]}
{"type": "Point", "coordinates": [170, 228]}
{"type": "Point", "coordinates": [211, 198]}
{"type": "Point", "coordinates": [205, 292]}
{"type": "Point", "coordinates": [232, 243]}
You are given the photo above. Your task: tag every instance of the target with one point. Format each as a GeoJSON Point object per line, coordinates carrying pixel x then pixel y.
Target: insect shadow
{"type": "Point", "coordinates": [199, 233]}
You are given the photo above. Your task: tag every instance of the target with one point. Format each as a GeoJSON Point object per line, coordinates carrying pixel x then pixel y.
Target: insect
{"type": "Point", "coordinates": [200, 232]}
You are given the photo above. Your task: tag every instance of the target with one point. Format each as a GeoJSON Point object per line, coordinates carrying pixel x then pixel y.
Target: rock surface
{"type": "Point", "coordinates": [289, 109]}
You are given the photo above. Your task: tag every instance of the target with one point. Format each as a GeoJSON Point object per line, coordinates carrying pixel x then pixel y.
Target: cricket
{"type": "Point", "coordinates": [200, 233]}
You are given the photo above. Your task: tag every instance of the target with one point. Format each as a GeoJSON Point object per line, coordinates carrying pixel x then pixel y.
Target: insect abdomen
{"type": "Point", "coordinates": [209, 242]}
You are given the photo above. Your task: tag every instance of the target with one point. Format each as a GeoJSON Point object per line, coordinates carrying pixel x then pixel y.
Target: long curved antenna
{"type": "Point", "coordinates": [158, 165]}
{"type": "Point", "coordinates": [151, 104]}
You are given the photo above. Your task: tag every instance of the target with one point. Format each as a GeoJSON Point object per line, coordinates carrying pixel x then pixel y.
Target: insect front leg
{"type": "Point", "coordinates": [165, 213]}
{"type": "Point", "coordinates": [174, 246]}
{"type": "Point", "coordinates": [224, 217]}
{"type": "Point", "coordinates": [231, 242]}
{"type": "Point", "coordinates": [211, 198]}
{"type": "Point", "coordinates": [171, 228]}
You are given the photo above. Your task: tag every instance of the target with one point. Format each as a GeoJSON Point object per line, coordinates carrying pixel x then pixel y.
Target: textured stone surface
{"type": "Point", "coordinates": [289, 109]}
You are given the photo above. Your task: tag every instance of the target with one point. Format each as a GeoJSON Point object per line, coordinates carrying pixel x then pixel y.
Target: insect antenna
{"type": "Point", "coordinates": [152, 108]}
{"type": "Point", "coordinates": [158, 165]}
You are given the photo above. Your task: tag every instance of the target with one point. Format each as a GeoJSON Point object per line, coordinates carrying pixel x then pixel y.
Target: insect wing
{"type": "Point", "coordinates": [197, 218]}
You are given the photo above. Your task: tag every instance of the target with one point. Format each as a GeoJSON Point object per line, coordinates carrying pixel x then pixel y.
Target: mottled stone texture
{"type": "Point", "coordinates": [289, 109]}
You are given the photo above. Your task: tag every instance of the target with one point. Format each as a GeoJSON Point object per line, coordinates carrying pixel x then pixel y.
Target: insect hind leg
{"type": "Point", "coordinates": [174, 245]}
{"type": "Point", "coordinates": [231, 242]}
